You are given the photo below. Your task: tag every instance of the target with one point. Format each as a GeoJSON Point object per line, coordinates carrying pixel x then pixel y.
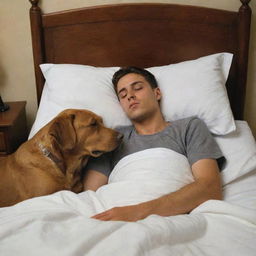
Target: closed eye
{"type": "Point", "coordinates": [93, 123]}
{"type": "Point", "coordinates": [122, 94]}
{"type": "Point", "coordinates": [137, 87]}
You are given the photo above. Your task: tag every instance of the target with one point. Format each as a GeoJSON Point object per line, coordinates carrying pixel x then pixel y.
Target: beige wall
{"type": "Point", "coordinates": [16, 62]}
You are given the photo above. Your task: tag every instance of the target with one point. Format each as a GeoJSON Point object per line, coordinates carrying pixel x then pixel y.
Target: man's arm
{"type": "Point", "coordinates": [93, 180]}
{"type": "Point", "coordinates": [207, 185]}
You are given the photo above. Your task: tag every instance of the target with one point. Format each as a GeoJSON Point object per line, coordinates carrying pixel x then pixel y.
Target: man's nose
{"type": "Point", "coordinates": [131, 95]}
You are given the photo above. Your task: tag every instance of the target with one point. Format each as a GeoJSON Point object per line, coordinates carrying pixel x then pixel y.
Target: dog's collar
{"type": "Point", "coordinates": [44, 150]}
{"type": "Point", "coordinates": [49, 155]}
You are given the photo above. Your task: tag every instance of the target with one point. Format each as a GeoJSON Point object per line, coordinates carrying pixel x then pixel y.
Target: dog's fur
{"type": "Point", "coordinates": [53, 159]}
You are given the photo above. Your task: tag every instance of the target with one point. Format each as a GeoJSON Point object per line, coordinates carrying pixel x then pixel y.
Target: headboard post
{"type": "Point", "coordinates": [244, 20]}
{"type": "Point", "coordinates": [37, 42]}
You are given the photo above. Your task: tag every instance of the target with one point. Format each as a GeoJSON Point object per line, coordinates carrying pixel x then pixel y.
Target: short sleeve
{"type": "Point", "coordinates": [200, 143]}
{"type": "Point", "coordinates": [101, 164]}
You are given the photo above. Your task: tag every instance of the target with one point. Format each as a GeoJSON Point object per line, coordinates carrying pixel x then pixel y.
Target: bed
{"type": "Point", "coordinates": [199, 57]}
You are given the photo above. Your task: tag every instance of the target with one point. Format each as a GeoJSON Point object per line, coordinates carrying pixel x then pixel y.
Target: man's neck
{"type": "Point", "coordinates": [151, 126]}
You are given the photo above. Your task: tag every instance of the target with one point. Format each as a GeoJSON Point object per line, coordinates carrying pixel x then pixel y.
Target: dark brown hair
{"type": "Point", "coordinates": [134, 70]}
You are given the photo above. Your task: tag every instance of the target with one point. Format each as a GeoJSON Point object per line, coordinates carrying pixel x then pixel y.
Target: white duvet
{"type": "Point", "coordinates": [60, 224]}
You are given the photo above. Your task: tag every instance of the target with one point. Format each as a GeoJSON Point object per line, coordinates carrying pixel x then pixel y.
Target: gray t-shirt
{"type": "Point", "coordinates": [189, 137]}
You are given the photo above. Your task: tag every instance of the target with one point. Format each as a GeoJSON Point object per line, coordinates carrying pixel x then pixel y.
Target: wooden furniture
{"type": "Point", "coordinates": [144, 35]}
{"type": "Point", "coordinates": [13, 128]}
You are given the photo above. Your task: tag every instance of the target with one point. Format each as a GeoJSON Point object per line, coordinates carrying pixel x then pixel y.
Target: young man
{"type": "Point", "coordinates": [139, 97]}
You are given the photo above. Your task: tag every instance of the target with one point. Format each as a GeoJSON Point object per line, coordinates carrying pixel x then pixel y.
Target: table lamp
{"type": "Point", "coordinates": [3, 107]}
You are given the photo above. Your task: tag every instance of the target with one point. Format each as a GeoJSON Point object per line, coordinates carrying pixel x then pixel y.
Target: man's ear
{"type": "Point", "coordinates": [158, 93]}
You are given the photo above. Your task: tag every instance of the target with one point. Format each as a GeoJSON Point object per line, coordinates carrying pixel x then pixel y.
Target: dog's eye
{"type": "Point", "coordinates": [94, 123]}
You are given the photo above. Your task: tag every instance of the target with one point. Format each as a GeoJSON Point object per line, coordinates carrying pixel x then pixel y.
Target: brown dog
{"type": "Point", "coordinates": [53, 159]}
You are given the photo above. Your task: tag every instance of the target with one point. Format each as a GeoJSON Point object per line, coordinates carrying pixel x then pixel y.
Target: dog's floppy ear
{"type": "Point", "coordinates": [63, 131]}
{"type": "Point", "coordinates": [60, 137]}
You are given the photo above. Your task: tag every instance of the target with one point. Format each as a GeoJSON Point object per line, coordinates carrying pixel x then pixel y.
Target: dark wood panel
{"type": "Point", "coordinates": [3, 146]}
{"type": "Point", "coordinates": [13, 127]}
{"type": "Point", "coordinates": [136, 11]}
{"type": "Point", "coordinates": [148, 36]}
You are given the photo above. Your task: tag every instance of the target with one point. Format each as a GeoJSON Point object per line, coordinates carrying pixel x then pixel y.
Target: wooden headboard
{"type": "Point", "coordinates": [144, 35]}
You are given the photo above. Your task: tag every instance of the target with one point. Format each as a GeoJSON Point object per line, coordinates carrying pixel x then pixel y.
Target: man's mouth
{"type": "Point", "coordinates": [133, 105]}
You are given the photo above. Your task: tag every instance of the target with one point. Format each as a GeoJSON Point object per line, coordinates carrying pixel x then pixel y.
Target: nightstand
{"type": "Point", "coordinates": [13, 127]}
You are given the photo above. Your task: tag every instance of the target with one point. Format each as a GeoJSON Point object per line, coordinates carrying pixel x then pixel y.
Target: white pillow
{"type": "Point", "coordinates": [189, 88]}
{"type": "Point", "coordinates": [197, 87]}
{"type": "Point", "coordinates": [81, 87]}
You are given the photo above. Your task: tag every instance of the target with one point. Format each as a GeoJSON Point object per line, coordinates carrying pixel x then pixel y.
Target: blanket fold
{"type": "Point", "coordinates": [144, 176]}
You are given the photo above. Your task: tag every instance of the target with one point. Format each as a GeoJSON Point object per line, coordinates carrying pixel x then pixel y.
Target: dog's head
{"type": "Point", "coordinates": [89, 135]}
{"type": "Point", "coordinates": [77, 134]}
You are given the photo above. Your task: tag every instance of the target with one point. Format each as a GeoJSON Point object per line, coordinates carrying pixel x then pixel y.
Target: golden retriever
{"type": "Point", "coordinates": [54, 158]}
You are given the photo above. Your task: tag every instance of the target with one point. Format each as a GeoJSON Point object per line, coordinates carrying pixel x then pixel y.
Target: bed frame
{"type": "Point", "coordinates": [144, 35]}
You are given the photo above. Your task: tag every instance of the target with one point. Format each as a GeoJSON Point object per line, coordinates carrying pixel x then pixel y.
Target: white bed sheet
{"type": "Point", "coordinates": [239, 175]}
{"type": "Point", "coordinates": [60, 224]}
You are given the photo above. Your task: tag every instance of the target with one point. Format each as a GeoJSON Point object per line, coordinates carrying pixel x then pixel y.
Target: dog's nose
{"type": "Point", "coordinates": [120, 136]}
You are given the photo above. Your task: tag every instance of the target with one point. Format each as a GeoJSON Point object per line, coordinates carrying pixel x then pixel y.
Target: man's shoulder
{"type": "Point", "coordinates": [187, 121]}
{"type": "Point", "coordinates": [188, 125]}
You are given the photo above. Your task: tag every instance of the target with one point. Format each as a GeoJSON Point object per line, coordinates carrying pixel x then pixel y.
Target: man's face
{"type": "Point", "coordinates": [137, 98]}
